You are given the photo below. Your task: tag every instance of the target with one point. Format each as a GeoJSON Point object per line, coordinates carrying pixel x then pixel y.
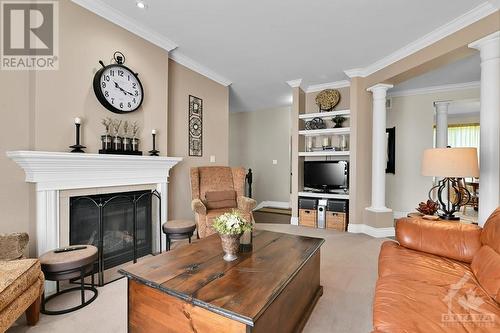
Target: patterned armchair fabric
{"type": "Point", "coordinates": [21, 281]}
{"type": "Point", "coordinates": [212, 179]}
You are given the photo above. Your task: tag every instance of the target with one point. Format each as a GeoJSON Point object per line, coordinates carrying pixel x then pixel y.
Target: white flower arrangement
{"type": "Point", "coordinates": [231, 224]}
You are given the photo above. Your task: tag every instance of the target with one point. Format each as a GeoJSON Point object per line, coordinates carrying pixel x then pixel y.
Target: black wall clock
{"type": "Point", "coordinates": [117, 87]}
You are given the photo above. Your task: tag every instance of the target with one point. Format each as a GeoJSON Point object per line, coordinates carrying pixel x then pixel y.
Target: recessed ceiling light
{"type": "Point", "coordinates": [141, 4]}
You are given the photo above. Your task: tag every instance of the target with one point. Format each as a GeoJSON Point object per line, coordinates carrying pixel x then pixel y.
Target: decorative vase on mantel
{"type": "Point", "coordinates": [230, 227]}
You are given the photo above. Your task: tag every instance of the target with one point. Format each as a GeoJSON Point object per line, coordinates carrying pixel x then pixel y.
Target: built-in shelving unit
{"type": "Point", "coordinates": [309, 116]}
{"type": "Point", "coordinates": [325, 131]}
{"type": "Point", "coordinates": [324, 195]}
{"type": "Point", "coordinates": [324, 153]}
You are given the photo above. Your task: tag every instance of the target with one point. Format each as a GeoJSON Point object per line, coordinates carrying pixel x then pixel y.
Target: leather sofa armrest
{"type": "Point", "coordinates": [246, 204]}
{"type": "Point", "coordinates": [198, 207]}
{"type": "Point", "coordinates": [453, 240]}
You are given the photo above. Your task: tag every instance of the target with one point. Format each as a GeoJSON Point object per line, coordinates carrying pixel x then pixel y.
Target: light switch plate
{"type": "Point", "coordinates": [212, 158]}
{"type": "Point", "coordinates": [275, 162]}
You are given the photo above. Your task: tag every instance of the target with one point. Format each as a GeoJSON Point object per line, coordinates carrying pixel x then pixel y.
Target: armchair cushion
{"type": "Point", "coordinates": [15, 277]}
{"type": "Point", "coordinates": [246, 204]}
{"type": "Point", "coordinates": [220, 199]}
{"type": "Point", "coordinates": [452, 240]}
{"type": "Point", "coordinates": [12, 246]}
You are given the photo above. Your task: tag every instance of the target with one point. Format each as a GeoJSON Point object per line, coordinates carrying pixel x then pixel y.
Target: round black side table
{"type": "Point", "coordinates": [77, 263]}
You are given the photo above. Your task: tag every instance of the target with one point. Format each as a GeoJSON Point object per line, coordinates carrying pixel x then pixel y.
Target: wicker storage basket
{"type": "Point", "coordinates": [336, 221]}
{"type": "Point", "coordinates": [307, 218]}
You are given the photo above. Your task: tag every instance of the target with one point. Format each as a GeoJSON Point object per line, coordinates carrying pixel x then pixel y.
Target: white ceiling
{"type": "Point", "coordinates": [260, 44]}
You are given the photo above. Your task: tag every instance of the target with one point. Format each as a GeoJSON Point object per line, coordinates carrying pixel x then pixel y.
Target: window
{"type": "Point", "coordinates": [463, 135]}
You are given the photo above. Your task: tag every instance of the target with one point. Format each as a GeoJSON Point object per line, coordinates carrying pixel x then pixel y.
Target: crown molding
{"type": "Point", "coordinates": [102, 9]}
{"type": "Point", "coordinates": [449, 28]}
{"type": "Point", "coordinates": [328, 85]}
{"type": "Point", "coordinates": [436, 89]}
{"type": "Point", "coordinates": [180, 58]}
{"type": "Point", "coordinates": [294, 83]}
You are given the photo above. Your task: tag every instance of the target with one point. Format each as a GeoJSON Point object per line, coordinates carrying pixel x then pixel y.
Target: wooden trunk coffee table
{"type": "Point", "coordinates": [274, 288]}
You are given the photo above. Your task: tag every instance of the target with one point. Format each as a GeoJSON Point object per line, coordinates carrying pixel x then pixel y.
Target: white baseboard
{"type": "Point", "coordinates": [273, 204]}
{"type": "Point", "coordinates": [294, 220]}
{"type": "Point", "coordinates": [371, 231]}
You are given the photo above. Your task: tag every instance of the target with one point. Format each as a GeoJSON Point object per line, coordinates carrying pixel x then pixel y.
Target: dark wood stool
{"type": "Point", "coordinates": [70, 265]}
{"type": "Point", "coordinates": [178, 229]}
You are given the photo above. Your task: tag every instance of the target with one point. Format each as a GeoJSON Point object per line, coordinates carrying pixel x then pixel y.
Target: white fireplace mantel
{"type": "Point", "coordinates": [62, 171]}
{"type": "Point", "coordinates": [56, 171]}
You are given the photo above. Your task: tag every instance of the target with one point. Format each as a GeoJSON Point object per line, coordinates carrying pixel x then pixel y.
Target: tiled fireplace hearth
{"type": "Point", "coordinates": [59, 177]}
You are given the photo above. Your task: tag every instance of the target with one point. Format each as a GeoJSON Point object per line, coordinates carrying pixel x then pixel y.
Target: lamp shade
{"type": "Point", "coordinates": [450, 162]}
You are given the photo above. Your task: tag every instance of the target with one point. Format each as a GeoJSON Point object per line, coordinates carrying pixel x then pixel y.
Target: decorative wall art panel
{"type": "Point", "coordinates": [195, 126]}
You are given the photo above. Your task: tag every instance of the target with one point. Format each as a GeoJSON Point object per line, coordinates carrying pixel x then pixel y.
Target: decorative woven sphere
{"type": "Point", "coordinates": [327, 99]}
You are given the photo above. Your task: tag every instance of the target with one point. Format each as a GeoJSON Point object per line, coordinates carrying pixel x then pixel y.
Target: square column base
{"type": "Point", "coordinates": [378, 218]}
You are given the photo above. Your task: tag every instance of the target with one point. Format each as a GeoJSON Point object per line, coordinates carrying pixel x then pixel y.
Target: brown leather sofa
{"type": "Point", "coordinates": [216, 190]}
{"type": "Point", "coordinates": [441, 277]}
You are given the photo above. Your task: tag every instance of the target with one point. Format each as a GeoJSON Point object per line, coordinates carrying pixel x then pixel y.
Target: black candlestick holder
{"type": "Point", "coordinates": [77, 148]}
{"type": "Point", "coordinates": [154, 152]}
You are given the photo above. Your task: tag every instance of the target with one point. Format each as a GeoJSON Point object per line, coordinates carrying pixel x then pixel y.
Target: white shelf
{"type": "Point", "coordinates": [307, 116]}
{"type": "Point", "coordinates": [325, 131]}
{"type": "Point", "coordinates": [324, 153]}
{"type": "Point", "coordinates": [324, 195]}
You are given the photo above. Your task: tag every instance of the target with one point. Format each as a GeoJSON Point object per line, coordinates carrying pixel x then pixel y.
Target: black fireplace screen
{"type": "Point", "coordinates": [118, 224]}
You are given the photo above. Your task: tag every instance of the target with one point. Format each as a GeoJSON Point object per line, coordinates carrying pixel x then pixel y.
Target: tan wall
{"type": "Point", "coordinates": [413, 117]}
{"type": "Point", "coordinates": [38, 108]}
{"type": "Point", "coordinates": [182, 83]}
{"type": "Point", "coordinates": [255, 140]}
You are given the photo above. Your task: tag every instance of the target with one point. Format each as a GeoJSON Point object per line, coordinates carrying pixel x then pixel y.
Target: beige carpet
{"type": "Point", "coordinates": [348, 275]}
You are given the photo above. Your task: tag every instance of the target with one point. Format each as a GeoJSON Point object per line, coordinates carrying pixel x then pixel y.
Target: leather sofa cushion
{"type": "Point", "coordinates": [220, 199]}
{"type": "Point", "coordinates": [448, 239]}
{"type": "Point", "coordinates": [413, 265]}
{"type": "Point", "coordinates": [419, 306]}
{"type": "Point", "coordinates": [491, 231]}
{"type": "Point", "coordinates": [15, 277]}
{"type": "Point", "coordinates": [486, 268]}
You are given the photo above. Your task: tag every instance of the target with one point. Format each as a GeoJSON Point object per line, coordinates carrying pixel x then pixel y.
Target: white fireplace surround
{"type": "Point", "coordinates": [53, 172]}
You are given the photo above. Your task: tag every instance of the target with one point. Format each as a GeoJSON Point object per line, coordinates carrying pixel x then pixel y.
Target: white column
{"type": "Point", "coordinates": [489, 119]}
{"type": "Point", "coordinates": [379, 147]}
{"type": "Point", "coordinates": [441, 123]}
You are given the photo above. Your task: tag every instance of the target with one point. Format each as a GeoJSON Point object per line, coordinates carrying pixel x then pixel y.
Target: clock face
{"type": "Point", "coordinates": [119, 89]}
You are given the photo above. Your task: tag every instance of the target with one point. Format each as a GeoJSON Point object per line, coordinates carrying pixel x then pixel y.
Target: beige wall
{"type": "Point", "coordinates": [255, 140]}
{"type": "Point", "coordinates": [41, 106]}
{"type": "Point", "coordinates": [182, 83]}
{"type": "Point", "coordinates": [413, 117]}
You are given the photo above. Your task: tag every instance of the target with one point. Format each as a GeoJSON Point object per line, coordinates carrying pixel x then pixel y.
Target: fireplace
{"type": "Point", "coordinates": [118, 224]}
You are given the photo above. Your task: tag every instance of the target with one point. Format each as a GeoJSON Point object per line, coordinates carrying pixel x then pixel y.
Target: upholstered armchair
{"type": "Point", "coordinates": [21, 281]}
{"type": "Point", "coordinates": [216, 190]}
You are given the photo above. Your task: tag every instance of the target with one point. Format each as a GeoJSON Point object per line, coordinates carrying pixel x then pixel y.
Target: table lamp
{"type": "Point", "coordinates": [451, 164]}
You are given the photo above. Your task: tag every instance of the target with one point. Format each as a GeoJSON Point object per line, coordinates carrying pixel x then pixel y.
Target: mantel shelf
{"type": "Point", "coordinates": [325, 131]}
{"type": "Point", "coordinates": [324, 153]}
{"type": "Point", "coordinates": [60, 170]}
{"type": "Point", "coordinates": [308, 116]}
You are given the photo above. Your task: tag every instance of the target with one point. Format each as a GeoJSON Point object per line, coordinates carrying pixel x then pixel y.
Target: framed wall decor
{"type": "Point", "coordinates": [195, 122]}
{"type": "Point", "coordinates": [391, 150]}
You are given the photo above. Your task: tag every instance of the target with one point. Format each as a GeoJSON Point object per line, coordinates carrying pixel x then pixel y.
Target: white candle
{"type": "Point", "coordinates": [78, 120]}
{"type": "Point", "coordinates": [326, 142]}
{"type": "Point", "coordinates": [153, 131]}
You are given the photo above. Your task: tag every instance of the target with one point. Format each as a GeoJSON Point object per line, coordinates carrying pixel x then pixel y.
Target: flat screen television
{"type": "Point", "coordinates": [326, 175]}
